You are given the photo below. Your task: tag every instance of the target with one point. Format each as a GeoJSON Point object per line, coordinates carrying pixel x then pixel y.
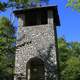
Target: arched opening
{"type": "Point", "coordinates": [35, 69]}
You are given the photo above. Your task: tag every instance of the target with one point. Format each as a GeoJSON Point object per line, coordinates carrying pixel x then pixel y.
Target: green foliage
{"type": "Point", "coordinates": [74, 4]}
{"type": "Point", "coordinates": [72, 69]}
{"type": "Point", "coordinates": [63, 50]}
{"type": "Point", "coordinates": [2, 6]}
{"type": "Point", "coordinates": [19, 1]}
{"type": "Point", "coordinates": [26, 1]}
{"type": "Point", "coordinates": [6, 33]}
{"type": "Point", "coordinates": [5, 70]}
{"type": "Point", "coordinates": [69, 57]}
{"type": "Point", "coordinates": [18, 4]}
{"type": "Point", "coordinates": [7, 49]}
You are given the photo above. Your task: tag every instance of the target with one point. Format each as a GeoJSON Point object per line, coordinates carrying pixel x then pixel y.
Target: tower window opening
{"type": "Point", "coordinates": [36, 18]}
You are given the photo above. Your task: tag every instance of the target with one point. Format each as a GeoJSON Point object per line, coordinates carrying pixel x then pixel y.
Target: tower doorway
{"type": "Point", "coordinates": [35, 69]}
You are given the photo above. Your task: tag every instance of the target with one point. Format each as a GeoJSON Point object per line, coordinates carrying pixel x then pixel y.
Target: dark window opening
{"type": "Point", "coordinates": [36, 18]}
{"type": "Point", "coordinates": [44, 18]}
{"type": "Point", "coordinates": [35, 69]}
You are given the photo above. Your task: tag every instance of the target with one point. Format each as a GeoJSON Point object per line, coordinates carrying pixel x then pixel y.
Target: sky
{"type": "Point", "coordinates": [69, 20]}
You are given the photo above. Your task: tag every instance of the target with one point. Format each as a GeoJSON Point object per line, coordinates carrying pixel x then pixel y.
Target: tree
{"type": "Point", "coordinates": [72, 69]}
{"type": "Point", "coordinates": [2, 6]}
{"type": "Point", "coordinates": [19, 3]}
{"type": "Point", "coordinates": [69, 57]}
{"type": "Point", "coordinates": [74, 4]}
{"type": "Point", "coordinates": [7, 49]}
{"type": "Point", "coordinates": [63, 52]}
{"type": "Point", "coordinates": [6, 34]}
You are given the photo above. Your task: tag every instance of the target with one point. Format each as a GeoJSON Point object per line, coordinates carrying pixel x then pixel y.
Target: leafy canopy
{"type": "Point", "coordinates": [74, 4]}
{"type": "Point", "coordinates": [69, 59]}
{"type": "Point", "coordinates": [7, 51]}
{"type": "Point", "coordinates": [19, 3]}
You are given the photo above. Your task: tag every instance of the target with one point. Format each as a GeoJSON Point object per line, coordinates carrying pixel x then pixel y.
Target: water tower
{"type": "Point", "coordinates": [36, 53]}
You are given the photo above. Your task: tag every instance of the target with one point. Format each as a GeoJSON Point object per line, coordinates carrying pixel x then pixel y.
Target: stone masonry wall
{"type": "Point", "coordinates": [34, 41]}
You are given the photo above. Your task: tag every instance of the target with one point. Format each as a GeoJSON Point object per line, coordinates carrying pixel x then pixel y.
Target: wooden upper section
{"type": "Point", "coordinates": [39, 10]}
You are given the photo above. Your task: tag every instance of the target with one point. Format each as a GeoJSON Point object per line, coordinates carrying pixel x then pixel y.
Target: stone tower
{"type": "Point", "coordinates": [36, 52]}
